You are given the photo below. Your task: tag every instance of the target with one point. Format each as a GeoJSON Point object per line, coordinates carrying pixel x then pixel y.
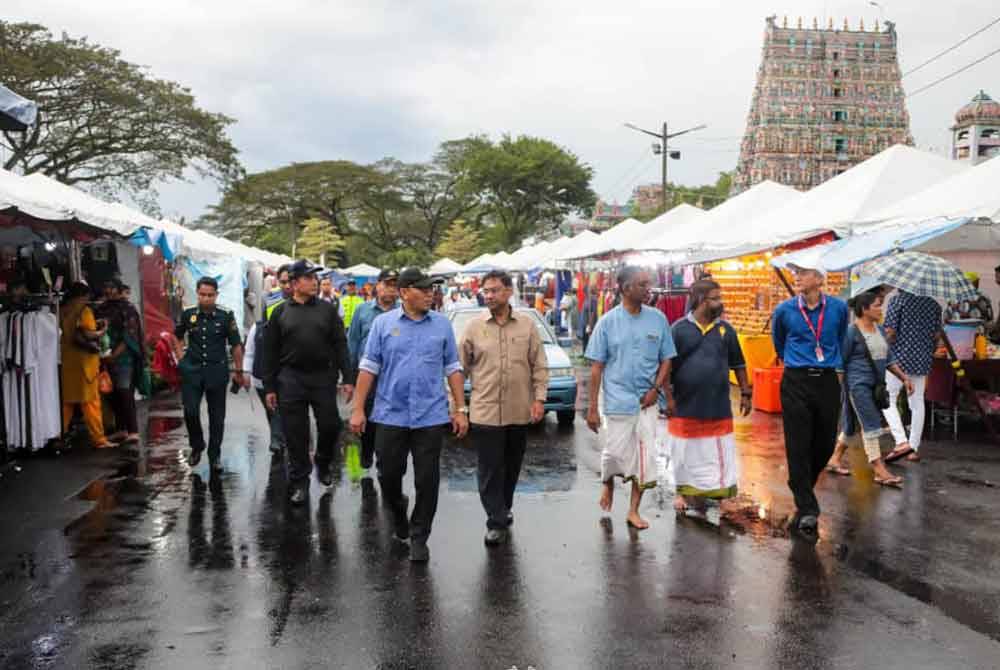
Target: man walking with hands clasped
{"type": "Point", "coordinates": [503, 355]}
{"type": "Point", "coordinates": [410, 351]}
{"type": "Point", "coordinates": [305, 351]}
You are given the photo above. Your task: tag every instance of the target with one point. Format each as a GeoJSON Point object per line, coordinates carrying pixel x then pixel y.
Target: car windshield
{"type": "Point", "coordinates": [462, 318]}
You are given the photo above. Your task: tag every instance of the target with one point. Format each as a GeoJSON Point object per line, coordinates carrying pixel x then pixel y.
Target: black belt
{"type": "Point", "coordinates": [812, 372]}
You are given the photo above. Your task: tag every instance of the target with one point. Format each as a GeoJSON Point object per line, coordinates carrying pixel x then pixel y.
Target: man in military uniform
{"type": "Point", "coordinates": [205, 369]}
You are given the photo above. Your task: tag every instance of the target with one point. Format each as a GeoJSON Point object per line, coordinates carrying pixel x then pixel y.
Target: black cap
{"type": "Point", "coordinates": [301, 268]}
{"type": "Point", "coordinates": [350, 280]}
{"type": "Point", "coordinates": [414, 278]}
{"type": "Point", "coordinates": [386, 275]}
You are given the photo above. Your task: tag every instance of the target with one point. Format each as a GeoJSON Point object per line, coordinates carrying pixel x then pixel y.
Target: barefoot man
{"type": "Point", "coordinates": [629, 352]}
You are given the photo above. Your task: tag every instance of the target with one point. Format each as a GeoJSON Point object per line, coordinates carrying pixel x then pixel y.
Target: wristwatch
{"type": "Point", "coordinates": [463, 410]}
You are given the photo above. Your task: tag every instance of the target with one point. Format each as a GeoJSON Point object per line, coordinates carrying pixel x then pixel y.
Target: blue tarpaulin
{"type": "Point", "coordinates": [863, 247]}
{"type": "Point", "coordinates": [16, 113]}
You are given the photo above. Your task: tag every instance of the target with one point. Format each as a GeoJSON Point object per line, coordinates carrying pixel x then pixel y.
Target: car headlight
{"type": "Point", "coordinates": [561, 372]}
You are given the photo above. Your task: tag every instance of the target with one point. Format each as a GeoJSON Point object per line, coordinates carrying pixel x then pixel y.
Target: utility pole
{"type": "Point", "coordinates": [662, 149]}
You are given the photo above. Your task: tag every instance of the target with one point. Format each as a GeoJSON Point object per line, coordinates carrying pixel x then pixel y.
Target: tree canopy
{"type": "Point", "coordinates": [318, 241]}
{"type": "Point", "coordinates": [394, 213]}
{"type": "Point", "coordinates": [104, 122]}
{"type": "Point", "coordinates": [460, 243]}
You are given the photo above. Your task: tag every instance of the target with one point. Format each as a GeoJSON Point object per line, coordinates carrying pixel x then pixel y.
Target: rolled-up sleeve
{"type": "Point", "coordinates": [371, 360]}
{"type": "Point", "coordinates": [597, 347]}
{"type": "Point", "coordinates": [451, 362]}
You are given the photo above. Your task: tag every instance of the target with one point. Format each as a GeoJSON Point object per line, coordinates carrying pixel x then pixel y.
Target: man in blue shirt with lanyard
{"type": "Point", "coordinates": [808, 331]}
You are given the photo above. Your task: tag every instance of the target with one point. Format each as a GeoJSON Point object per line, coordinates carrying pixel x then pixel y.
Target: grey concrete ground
{"type": "Point", "coordinates": [168, 569]}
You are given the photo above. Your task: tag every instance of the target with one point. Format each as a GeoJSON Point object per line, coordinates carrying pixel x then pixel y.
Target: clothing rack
{"type": "Point", "coordinates": [28, 302]}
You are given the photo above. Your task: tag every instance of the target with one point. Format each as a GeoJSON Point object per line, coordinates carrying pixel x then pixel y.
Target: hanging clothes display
{"type": "Point", "coordinates": [29, 343]}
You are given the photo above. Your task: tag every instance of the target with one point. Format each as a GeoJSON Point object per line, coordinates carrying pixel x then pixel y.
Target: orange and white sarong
{"type": "Point", "coordinates": [703, 453]}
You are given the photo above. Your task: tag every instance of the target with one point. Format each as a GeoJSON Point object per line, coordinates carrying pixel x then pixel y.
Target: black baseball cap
{"type": "Point", "coordinates": [388, 275]}
{"type": "Point", "coordinates": [414, 278]}
{"type": "Point", "coordinates": [301, 268]}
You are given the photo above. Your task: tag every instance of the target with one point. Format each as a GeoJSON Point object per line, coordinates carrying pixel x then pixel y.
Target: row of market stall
{"type": "Point", "coordinates": [900, 199]}
{"type": "Point", "coordinates": [52, 235]}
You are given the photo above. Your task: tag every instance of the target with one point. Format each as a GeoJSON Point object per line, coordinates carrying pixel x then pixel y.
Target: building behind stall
{"type": "Point", "coordinates": [975, 137]}
{"type": "Point", "coordinates": [825, 100]}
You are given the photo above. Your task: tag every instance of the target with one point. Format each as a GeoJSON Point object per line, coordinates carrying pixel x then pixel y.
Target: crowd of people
{"type": "Point", "coordinates": [396, 360]}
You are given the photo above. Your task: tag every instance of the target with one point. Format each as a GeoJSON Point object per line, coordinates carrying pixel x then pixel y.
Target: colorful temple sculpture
{"type": "Point", "coordinates": [824, 101]}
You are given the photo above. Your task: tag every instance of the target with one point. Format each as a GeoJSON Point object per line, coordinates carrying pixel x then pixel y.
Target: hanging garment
{"type": "Point", "coordinates": [30, 348]}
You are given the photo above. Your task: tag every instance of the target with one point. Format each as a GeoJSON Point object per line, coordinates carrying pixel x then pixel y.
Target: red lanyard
{"type": "Point", "coordinates": [818, 330]}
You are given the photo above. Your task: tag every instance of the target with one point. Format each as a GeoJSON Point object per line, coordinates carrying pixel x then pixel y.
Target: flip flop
{"type": "Point", "coordinates": [838, 470]}
{"type": "Point", "coordinates": [914, 457]}
{"type": "Point", "coordinates": [898, 453]}
{"type": "Point", "coordinates": [893, 483]}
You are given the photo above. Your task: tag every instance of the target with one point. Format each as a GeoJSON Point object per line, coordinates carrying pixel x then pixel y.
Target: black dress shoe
{"type": "Point", "coordinates": [419, 553]}
{"type": "Point", "coordinates": [510, 518]}
{"type": "Point", "coordinates": [276, 447]}
{"type": "Point", "coordinates": [299, 495]}
{"type": "Point", "coordinates": [401, 519]}
{"type": "Point", "coordinates": [215, 467]}
{"type": "Point", "coordinates": [325, 475]}
{"type": "Point", "coordinates": [194, 458]}
{"type": "Point", "coordinates": [494, 537]}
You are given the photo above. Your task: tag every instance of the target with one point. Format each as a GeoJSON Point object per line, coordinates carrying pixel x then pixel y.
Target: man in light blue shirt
{"type": "Point", "coordinates": [386, 299]}
{"type": "Point", "coordinates": [630, 351]}
{"type": "Point", "coordinates": [410, 350]}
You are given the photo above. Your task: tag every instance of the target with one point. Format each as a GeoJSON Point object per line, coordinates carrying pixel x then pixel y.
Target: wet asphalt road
{"type": "Point", "coordinates": [171, 570]}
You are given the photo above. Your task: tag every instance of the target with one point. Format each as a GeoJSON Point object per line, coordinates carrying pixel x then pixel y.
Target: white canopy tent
{"type": "Point", "coordinates": [855, 194]}
{"type": "Point", "coordinates": [605, 242]}
{"type": "Point", "coordinates": [732, 214]}
{"type": "Point", "coordinates": [362, 270]}
{"type": "Point", "coordinates": [444, 266]}
{"type": "Point", "coordinates": [660, 231]}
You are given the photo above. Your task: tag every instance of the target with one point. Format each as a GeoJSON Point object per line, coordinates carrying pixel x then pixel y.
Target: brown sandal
{"type": "Point", "coordinates": [890, 482]}
{"type": "Point", "coordinates": [838, 470]}
{"type": "Point", "coordinates": [898, 453]}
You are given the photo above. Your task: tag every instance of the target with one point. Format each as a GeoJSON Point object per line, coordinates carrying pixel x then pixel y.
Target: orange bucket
{"type": "Point", "coordinates": [767, 389]}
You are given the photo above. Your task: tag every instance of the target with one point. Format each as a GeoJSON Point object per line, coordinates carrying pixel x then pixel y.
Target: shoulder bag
{"type": "Point", "coordinates": [880, 394]}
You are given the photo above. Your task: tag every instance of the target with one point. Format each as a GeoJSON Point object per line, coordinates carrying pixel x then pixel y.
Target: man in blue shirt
{"type": "Point", "coordinates": [629, 351]}
{"type": "Point", "coordinates": [410, 351]}
{"type": "Point", "coordinates": [387, 297]}
{"type": "Point", "coordinates": [808, 331]}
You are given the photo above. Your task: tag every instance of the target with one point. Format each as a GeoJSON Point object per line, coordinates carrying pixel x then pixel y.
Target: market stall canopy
{"type": "Point", "coordinates": [851, 196]}
{"type": "Point", "coordinates": [444, 266]}
{"type": "Point", "coordinates": [733, 214]}
{"type": "Point", "coordinates": [606, 242]}
{"type": "Point", "coordinates": [862, 247]}
{"type": "Point", "coordinates": [973, 193]}
{"type": "Point", "coordinates": [362, 270]}
{"type": "Point", "coordinates": [478, 261]}
{"type": "Point", "coordinates": [577, 243]}
{"type": "Point", "coordinates": [16, 112]}
{"type": "Point", "coordinates": [660, 230]}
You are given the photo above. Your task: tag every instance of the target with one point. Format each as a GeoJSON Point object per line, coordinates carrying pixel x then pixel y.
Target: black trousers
{"type": "Point", "coordinates": [297, 392]}
{"type": "Point", "coordinates": [123, 407]}
{"type": "Point", "coordinates": [810, 402]}
{"type": "Point", "coordinates": [501, 452]}
{"type": "Point", "coordinates": [273, 422]}
{"type": "Point", "coordinates": [368, 437]}
{"type": "Point", "coordinates": [393, 445]}
{"type": "Point", "coordinates": [211, 387]}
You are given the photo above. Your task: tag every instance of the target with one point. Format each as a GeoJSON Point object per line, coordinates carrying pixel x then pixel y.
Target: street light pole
{"type": "Point", "coordinates": [663, 149]}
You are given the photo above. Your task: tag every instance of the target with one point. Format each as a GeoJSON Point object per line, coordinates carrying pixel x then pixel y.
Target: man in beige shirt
{"type": "Point", "coordinates": [503, 356]}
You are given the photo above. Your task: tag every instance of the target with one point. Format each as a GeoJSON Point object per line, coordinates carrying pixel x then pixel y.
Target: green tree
{"type": "Point", "coordinates": [525, 185]}
{"type": "Point", "coordinates": [706, 196]}
{"type": "Point", "coordinates": [260, 203]}
{"type": "Point", "coordinates": [104, 122]}
{"type": "Point", "coordinates": [460, 243]}
{"type": "Point", "coordinates": [318, 241]}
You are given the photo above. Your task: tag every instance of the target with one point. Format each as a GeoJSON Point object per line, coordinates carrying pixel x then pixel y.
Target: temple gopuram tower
{"type": "Point", "coordinates": [825, 100]}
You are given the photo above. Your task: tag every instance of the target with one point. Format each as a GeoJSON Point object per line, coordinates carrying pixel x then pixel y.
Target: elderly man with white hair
{"type": "Point", "coordinates": [808, 331]}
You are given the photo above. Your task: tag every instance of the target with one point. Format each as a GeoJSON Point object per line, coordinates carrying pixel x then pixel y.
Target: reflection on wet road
{"type": "Point", "coordinates": [174, 569]}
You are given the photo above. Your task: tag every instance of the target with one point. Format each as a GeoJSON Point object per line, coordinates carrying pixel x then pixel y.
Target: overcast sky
{"type": "Point", "coordinates": [364, 79]}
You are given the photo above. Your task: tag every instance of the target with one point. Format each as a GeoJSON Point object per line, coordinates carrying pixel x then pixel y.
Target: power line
{"type": "Point", "coordinates": [629, 170]}
{"type": "Point", "coordinates": [953, 47]}
{"type": "Point", "coordinates": [956, 72]}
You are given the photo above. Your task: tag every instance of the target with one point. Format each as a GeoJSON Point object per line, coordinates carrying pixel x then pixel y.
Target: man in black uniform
{"type": "Point", "coordinates": [305, 350]}
{"type": "Point", "coordinates": [205, 369]}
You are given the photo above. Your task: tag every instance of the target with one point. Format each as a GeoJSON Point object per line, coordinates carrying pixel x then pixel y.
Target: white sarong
{"type": "Point", "coordinates": [629, 448]}
{"type": "Point", "coordinates": [705, 466]}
